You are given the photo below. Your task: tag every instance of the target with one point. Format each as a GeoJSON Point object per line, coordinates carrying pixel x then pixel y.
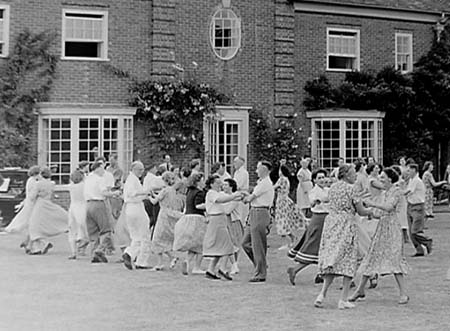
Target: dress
{"type": "Point", "coordinates": [403, 205]}
{"type": "Point", "coordinates": [338, 246]}
{"type": "Point", "coordinates": [20, 221]}
{"type": "Point", "coordinates": [47, 218]}
{"type": "Point", "coordinates": [190, 229]}
{"type": "Point", "coordinates": [385, 254]}
{"type": "Point", "coordinates": [288, 216]}
{"type": "Point", "coordinates": [235, 227]}
{"type": "Point", "coordinates": [171, 210]}
{"type": "Point", "coordinates": [304, 186]}
{"type": "Point", "coordinates": [77, 213]}
{"type": "Point", "coordinates": [427, 177]}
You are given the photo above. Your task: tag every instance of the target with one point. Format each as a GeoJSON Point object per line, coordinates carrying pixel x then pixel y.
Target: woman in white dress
{"type": "Point", "coordinates": [78, 235]}
{"type": "Point", "coordinates": [20, 221]}
{"type": "Point", "coordinates": [304, 186]}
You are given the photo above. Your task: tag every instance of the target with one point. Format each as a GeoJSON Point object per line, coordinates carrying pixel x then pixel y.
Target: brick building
{"type": "Point", "coordinates": [260, 53]}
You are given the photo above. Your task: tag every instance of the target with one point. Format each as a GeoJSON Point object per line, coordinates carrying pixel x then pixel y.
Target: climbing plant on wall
{"type": "Point", "coordinates": [25, 79]}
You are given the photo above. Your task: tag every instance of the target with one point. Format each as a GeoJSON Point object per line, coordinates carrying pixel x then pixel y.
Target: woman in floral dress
{"type": "Point", "coordinates": [339, 242]}
{"type": "Point", "coordinates": [288, 216]}
{"type": "Point", "coordinates": [430, 184]}
{"type": "Point", "coordinates": [385, 255]}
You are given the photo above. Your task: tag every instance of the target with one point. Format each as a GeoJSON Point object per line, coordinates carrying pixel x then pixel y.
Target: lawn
{"type": "Point", "coordinates": [52, 293]}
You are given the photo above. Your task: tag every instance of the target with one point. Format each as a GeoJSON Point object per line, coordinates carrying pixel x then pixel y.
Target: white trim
{"type": "Point", "coordinates": [367, 11]}
{"type": "Point", "coordinates": [410, 60]}
{"type": "Point", "coordinates": [358, 53]}
{"type": "Point", "coordinates": [105, 27]}
{"type": "Point", "coordinates": [237, 28]}
{"type": "Point", "coordinates": [5, 51]}
{"type": "Point", "coordinates": [67, 109]}
{"type": "Point", "coordinates": [336, 114]}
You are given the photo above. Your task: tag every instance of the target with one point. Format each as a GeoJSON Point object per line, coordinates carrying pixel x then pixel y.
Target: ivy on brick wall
{"type": "Point", "coordinates": [25, 79]}
{"type": "Point", "coordinates": [173, 112]}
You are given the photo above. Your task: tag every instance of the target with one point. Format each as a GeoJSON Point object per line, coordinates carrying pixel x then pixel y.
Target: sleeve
{"type": "Point", "coordinates": [354, 195]}
{"type": "Point", "coordinates": [261, 188]}
{"type": "Point", "coordinates": [412, 185]}
{"type": "Point", "coordinates": [312, 195]}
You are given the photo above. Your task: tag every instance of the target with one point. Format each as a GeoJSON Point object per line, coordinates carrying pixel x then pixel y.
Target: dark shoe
{"type": "Point", "coordinates": [418, 255]}
{"type": "Point", "coordinates": [291, 272]}
{"type": "Point", "coordinates": [184, 268]}
{"type": "Point", "coordinates": [72, 257]}
{"type": "Point", "coordinates": [429, 247]}
{"type": "Point", "coordinates": [225, 275]}
{"type": "Point", "coordinates": [318, 280]}
{"type": "Point", "coordinates": [209, 275]}
{"type": "Point", "coordinates": [141, 267]}
{"type": "Point", "coordinates": [127, 261]}
{"type": "Point", "coordinates": [373, 281]}
{"type": "Point", "coordinates": [357, 296]}
{"type": "Point", "coordinates": [35, 253]}
{"type": "Point", "coordinates": [96, 259]}
{"type": "Point", "coordinates": [257, 280]}
{"type": "Point", "coordinates": [101, 256]}
{"type": "Point", "coordinates": [47, 248]}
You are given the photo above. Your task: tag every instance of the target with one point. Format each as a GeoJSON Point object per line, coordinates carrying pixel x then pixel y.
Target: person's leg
{"type": "Point", "coordinates": [418, 216]}
{"type": "Point", "coordinates": [247, 244]}
{"type": "Point", "coordinates": [292, 271]}
{"type": "Point", "coordinates": [258, 232]}
{"type": "Point", "coordinates": [328, 280]}
{"type": "Point", "coordinates": [360, 292]}
{"type": "Point", "coordinates": [343, 301]}
{"type": "Point", "coordinates": [401, 284]}
{"type": "Point", "coordinates": [212, 265]}
{"type": "Point", "coordinates": [414, 227]}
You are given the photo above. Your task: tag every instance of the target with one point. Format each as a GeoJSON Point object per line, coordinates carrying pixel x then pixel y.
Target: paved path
{"type": "Point", "coordinates": [52, 293]}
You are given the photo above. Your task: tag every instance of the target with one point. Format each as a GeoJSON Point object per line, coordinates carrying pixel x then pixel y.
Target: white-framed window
{"type": "Point", "coordinates": [226, 137]}
{"type": "Point", "coordinates": [85, 34]}
{"type": "Point", "coordinates": [342, 49]}
{"type": "Point", "coordinates": [225, 33]}
{"type": "Point", "coordinates": [66, 138]}
{"type": "Point", "coordinates": [4, 30]}
{"type": "Point", "coordinates": [349, 135]}
{"type": "Point", "coordinates": [404, 52]}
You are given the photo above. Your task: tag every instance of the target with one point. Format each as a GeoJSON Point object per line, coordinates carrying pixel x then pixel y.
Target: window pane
{"type": "Point", "coordinates": [225, 33]}
{"type": "Point", "coordinates": [83, 49]}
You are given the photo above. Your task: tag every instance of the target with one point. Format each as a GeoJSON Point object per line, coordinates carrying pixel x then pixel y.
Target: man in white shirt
{"type": "Point", "coordinates": [254, 242]}
{"type": "Point", "coordinates": [242, 181]}
{"type": "Point", "coordinates": [220, 170]}
{"type": "Point", "coordinates": [137, 219]}
{"type": "Point", "coordinates": [415, 195]}
{"type": "Point", "coordinates": [97, 215]}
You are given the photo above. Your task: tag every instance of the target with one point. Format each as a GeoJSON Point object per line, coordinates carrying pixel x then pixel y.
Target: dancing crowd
{"type": "Point", "coordinates": [353, 221]}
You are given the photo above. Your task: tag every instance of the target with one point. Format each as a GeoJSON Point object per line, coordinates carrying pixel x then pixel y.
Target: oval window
{"type": "Point", "coordinates": [225, 32]}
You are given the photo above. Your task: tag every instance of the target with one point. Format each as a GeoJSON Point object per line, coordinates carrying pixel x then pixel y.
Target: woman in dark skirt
{"type": "Point", "coordinates": [306, 252]}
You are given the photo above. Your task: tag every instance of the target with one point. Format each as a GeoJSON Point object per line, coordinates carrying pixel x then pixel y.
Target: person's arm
{"type": "Point", "coordinates": [411, 187]}
{"type": "Point", "coordinates": [258, 190]}
{"type": "Point", "coordinates": [222, 198]}
{"type": "Point", "coordinates": [376, 184]}
{"type": "Point", "coordinates": [434, 183]}
{"type": "Point", "coordinates": [154, 199]}
{"type": "Point", "coordinates": [361, 210]}
{"type": "Point", "coordinates": [389, 206]}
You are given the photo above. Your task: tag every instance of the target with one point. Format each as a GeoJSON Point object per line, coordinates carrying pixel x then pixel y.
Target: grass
{"type": "Point", "coordinates": [52, 293]}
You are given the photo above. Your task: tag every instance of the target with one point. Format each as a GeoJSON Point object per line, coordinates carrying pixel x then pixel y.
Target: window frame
{"type": "Point", "coordinates": [105, 27]}
{"type": "Point", "coordinates": [411, 54]}
{"type": "Point", "coordinates": [212, 31]}
{"type": "Point", "coordinates": [6, 20]}
{"type": "Point", "coordinates": [357, 32]}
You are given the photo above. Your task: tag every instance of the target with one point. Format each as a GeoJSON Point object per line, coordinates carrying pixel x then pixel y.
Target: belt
{"type": "Point", "coordinates": [416, 204]}
{"type": "Point", "coordinates": [260, 207]}
{"type": "Point", "coordinates": [94, 200]}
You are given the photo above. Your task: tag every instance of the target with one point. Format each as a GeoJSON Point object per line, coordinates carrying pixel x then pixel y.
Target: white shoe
{"type": "Point", "coordinates": [234, 269]}
{"type": "Point", "coordinates": [345, 305]}
{"type": "Point", "coordinates": [198, 272]}
{"type": "Point", "coordinates": [284, 247]}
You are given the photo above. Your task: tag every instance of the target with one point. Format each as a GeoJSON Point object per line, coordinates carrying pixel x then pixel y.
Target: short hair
{"type": "Point", "coordinates": [34, 170]}
{"type": "Point", "coordinates": [359, 163]}
{"type": "Point", "coordinates": [135, 164]}
{"type": "Point", "coordinates": [410, 160]}
{"type": "Point", "coordinates": [194, 163]}
{"type": "Point", "coordinates": [392, 174]}
{"type": "Point", "coordinates": [414, 166]}
{"type": "Point", "coordinates": [186, 172]}
{"type": "Point", "coordinates": [397, 169]}
{"type": "Point", "coordinates": [215, 167]}
{"type": "Point", "coordinates": [285, 170]}
{"type": "Point", "coordinates": [161, 169]}
{"type": "Point", "coordinates": [267, 164]}
{"type": "Point", "coordinates": [83, 164]}
{"type": "Point", "coordinates": [195, 179]}
{"type": "Point", "coordinates": [371, 166]}
{"type": "Point", "coordinates": [427, 165]}
{"type": "Point", "coordinates": [232, 184]}
{"type": "Point", "coordinates": [77, 176]}
{"type": "Point", "coordinates": [211, 179]}
{"type": "Point", "coordinates": [46, 172]}
{"type": "Point", "coordinates": [343, 170]}
{"type": "Point", "coordinates": [113, 156]}
{"type": "Point", "coordinates": [97, 164]}
{"type": "Point", "coordinates": [240, 158]}
{"type": "Point", "coordinates": [167, 176]}
{"type": "Point", "coordinates": [100, 158]}
{"type": "Point", "coordinates": [402, 157]}
{"type": "Point", "coordinates": [318, 171]}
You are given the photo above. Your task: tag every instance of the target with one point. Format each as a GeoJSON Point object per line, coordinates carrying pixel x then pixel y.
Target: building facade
{"type": "Point", "coordinates": [260, 53]}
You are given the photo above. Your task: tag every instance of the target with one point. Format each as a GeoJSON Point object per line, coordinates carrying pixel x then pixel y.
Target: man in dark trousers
{"type": "Point", "coordinates": [255, 235]}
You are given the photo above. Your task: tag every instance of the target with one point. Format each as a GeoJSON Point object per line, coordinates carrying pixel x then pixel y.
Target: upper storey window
{"type": "Point", "coordinates": [342, 50]}
{"type": "Point", "coordinates": [85, 34]}
{"type": "Point", "coordinates": [4, 30]}
{"type": "Point", "coordinates": [225, 32]}
{"type": "Point", "coordinates": [404, 52]}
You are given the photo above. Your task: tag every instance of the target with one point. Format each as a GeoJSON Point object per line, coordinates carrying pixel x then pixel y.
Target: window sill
{"type": "Point", "coordinates": [341, 70]}
{"type": "Point", "coordinates": [89, 59]}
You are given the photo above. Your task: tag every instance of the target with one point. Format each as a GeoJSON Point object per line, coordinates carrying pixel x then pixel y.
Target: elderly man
{"type": "Point", "coordinates": [97, 216]}
{"type": "Point", "coordinates": [137, 219]}
{"type": "Point", "coordinates": [255, 235]}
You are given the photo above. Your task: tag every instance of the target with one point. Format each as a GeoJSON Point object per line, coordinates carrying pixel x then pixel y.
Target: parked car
{"type": "Point", "coordinates": [12, 192]}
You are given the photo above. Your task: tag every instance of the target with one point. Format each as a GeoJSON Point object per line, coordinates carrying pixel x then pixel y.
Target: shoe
{"type": "Point", "coordinates": [142, 267]}
{"type": "Point", "coordinates": [198, 272]}
{"type": "Point", "coordinates": [224, 275]}
{"type": "Point", "coordinates": [101, 256]}
{"type": "Point", "coordinates": [403, 300]}
{"type": "Point", "coordinates": [23, 245]}
{"type": "Point", "coordinates": [345, 305]}
{"type": "Point", "coordinates": [234, 269]}
{"type": "Point", "coordinates": [72, 257]}
{"type": "Point", "coordinates": [357, 296]}
{"type": "Point", "coordinates": [184, 268]}
{"type": "Point", "coordinates": [352, 284]}
{"type": "Point", "coordinates": [257, 280]}
{"type": "Point", "coordinates": [96, 259]}
{"type": "Point", "coordinates": [47, 248]}
{"type": "Point", "coordinates": [35, 253]}
{"type": "Point", "coordinates": [291, 273]}
{"type": "Point", "coordinates": [158, 268]}
{"type": "Point", "coordinates": [373, 281]}
{"type": "Point", "coordinates": [127, 261]}
{"type": "Point", "coordinates": [429, 247]}
{"type": "Point", "coordinates": [173, 263]}
{"type": "Point", "coordinates": [418, 255]}
{"type": "Point", "coordinates": [283, 248]}
{"type": "Point", "coordinates": [318, 303]}
{"type": "Point", "coordinates": [318, 280]}
{"type": "Point", "coordinates": [210, 275]}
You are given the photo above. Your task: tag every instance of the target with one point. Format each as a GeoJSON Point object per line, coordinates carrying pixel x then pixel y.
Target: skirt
{"type": "Point", "coordinates": [189, 233]}
{"type": "Point", "coordinates": [236, 232]}
{"type": "Point", "coordinates": [20, 221]}
{"type": "Point", "coordinates": [121, 232]}
{"type": "Point", "coordinates": [307, 249]}
{"type": "Point", "coordinates": [47, 220]}
{"type": "Point", "coordinates": [217, 241]}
